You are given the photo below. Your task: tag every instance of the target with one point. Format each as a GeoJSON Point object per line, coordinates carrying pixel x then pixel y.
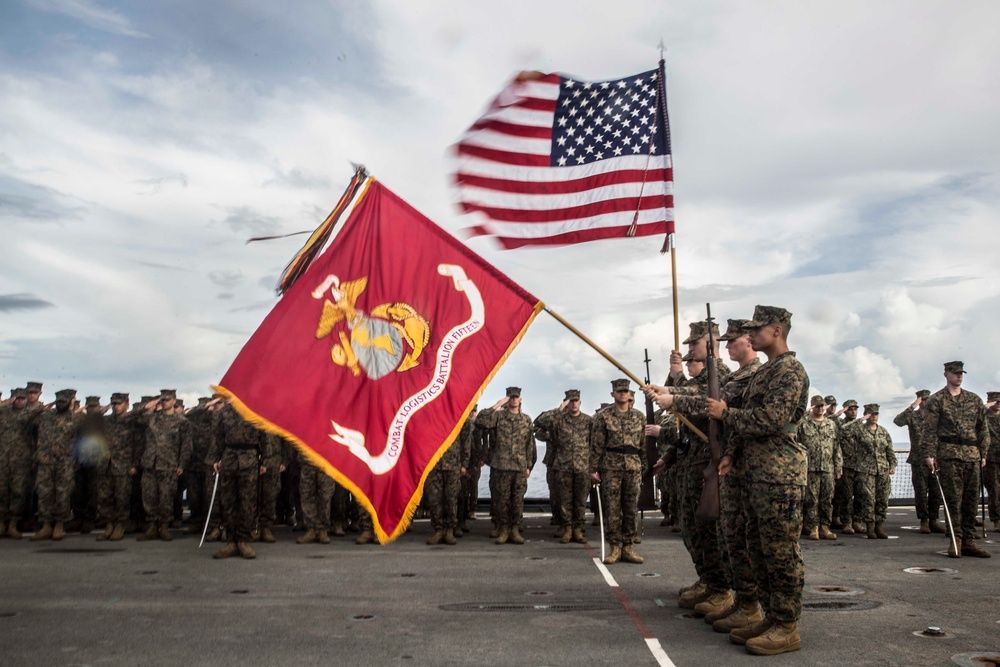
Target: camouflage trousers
{"type": "Point", "coordinates": [468, 494]}
{"type": "Point", "coordinates": [701, 537]}
{"type": "Point", "coordinates": [239, 471]}
{"type": "Point", "coordinates": [774, 524]}
{"type": "Point", "coordinates": [666, 484]}
{"type": "Point", "coordinates": [733, 539]}
{"type": "Point", "coordinates": [441, 496]}
{"type": "Point", "coordinates": [113, 493]}
{"type": "Point", "coordinates": [574, 487]}
{"type": "Point", "coordinates": [845, 505]}
{"type": "Point", "coordinates": [871, 497]}
{"type": "Point", "coordinates": [555, 500]}
{"type": "Point", "coordinates": [158, 489]}
{"type": "Point", "coordinates": [926, 494]}
{"type": "Point", "coordinates": [991, 480]}
{"type": "Point", "coordinates": [54, 483]}
{"type": "Point", "coordinates": [510, 488]}
{"type": "Point", "coordinates": [270, 485]}
{"type": "Point", "coordinates": [960, 481]}
{"type": "Point", "coordinates": [14, 476]}
{"type": "Point", "coordinates": [620, 496]}
{"type": "Point", "coordinates": [817, 510]}
{"type": "Point", "coordinates": [316, 490]}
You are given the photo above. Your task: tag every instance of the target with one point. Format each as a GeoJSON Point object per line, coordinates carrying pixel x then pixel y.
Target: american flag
{"type": "Point", "coordinates": [557, 161]}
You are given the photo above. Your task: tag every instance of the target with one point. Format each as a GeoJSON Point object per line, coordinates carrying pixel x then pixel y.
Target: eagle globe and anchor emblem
{"type": "Point", "coordinates": [376, 342]}
{"type": "Point", "coordinates": [391, 337]}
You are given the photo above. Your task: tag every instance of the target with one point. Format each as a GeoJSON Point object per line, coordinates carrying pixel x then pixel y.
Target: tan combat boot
{"type": "Point", "coordinates": [12, 531]}
{"type": "Point", "coordinates": [503, 534]}
{"type": "Point", "coordinates": [246, 551]}
{"type": "Point", "coordinates": [150, 533]}
{"type": "Point", "coordinates": [436, 537]}
{"type": "Point", "coordinates": [630, 556]}
{"type": "Point", "coordinates": [449, 537]}
{"type": "Point", "coordinates": [814, 533]}
{"type": "Point", "coordinates": [712, 617]}
{"type": "Point", "coordinates": [746, 614]}
{"type": "Point", "coordinates": [366, 537]}
{"type": "Point", "coordinates": [614, 555]}
{"type": "Point", "coordinates": [847, 529]}
{"type": "Point", "coordinates": [106, 535]}
{"type": "Point", "coordinates": [716, 603]}
{"type": "Point", "coordinates": [970, 548]}
{"type": "Point", "coordinates": [936, 527]}
{"type": "Point", "coordinates": [164, 532]}
{"type": "Point", "coordinates": [561, 532]}
{"type": "Point", "coordinates": [880, 532]}
{"type": "Point", "coordinates": [951, 551]}
{"type": "Point", "coordinates": [567, 535]}
{"type": "Point", "coordinates": [858, 528]}
{"type": "Point", "coordinates": [495, 532]}
{"type": "Point", "coordinates": [338, 529]}
{"type": "Point", "coordinates": [118, 532]}
{"type": "Point", "coordinates": [214, 535]}
{"type": "Point", "coordinates": [227, 551]}
{"type": "Point", "coordinates": [458, 531]}
{"type": "Point", "coordinates": [44, 533]}
{"type": "Point", "coordinates": [515, 535]}
{"type": "Point", "coordinates": [267, 536]}
{"type": "Point", "coordinates": [779, 638]}
{"type": "Point", "coordinates": [925, 527]}
{"type": "Point", "coordinates": [693, 597]}
{"type": "Point", "coordinates": [307, 538]}
{"type": "Point", "coordinates": [322, 536]}
{"type": "Point", "coordinates": [827, 534]}
{"type": "Point", "coordinates": [58, 532]}
{"type": "Point", "coordinates": [741, 635]}
{"type": "Point", "coordinates": [870, 530]}
{"type": "Point", "coordinates": [578, 536]}
{"type": "Point", "coordinates": [685, 589]}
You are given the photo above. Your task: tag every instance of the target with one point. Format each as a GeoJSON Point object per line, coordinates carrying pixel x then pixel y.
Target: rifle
{"type": "Point", "coordinates": [708, 504]}
{"type": "Point", "coordinates": [647, 491]}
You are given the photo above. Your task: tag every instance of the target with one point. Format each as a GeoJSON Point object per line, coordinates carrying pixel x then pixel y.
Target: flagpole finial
{"type": "Point", "coordinates": [662, 48]}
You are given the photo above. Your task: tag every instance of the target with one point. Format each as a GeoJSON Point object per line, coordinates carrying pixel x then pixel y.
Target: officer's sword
{"type": "Point", "coordinates": [947, 512]}
{"type": "Point", "coordinates": [600, 516]}
{"type": "Point", "coordinates": [208, 515]}
{"type": "Point", "coordinates": [982, 498]}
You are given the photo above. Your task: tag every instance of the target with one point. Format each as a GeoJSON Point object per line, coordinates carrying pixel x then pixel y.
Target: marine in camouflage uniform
{"type": "Point", "coordinates": [875, 462]}
{"type": "Point", "coordinates": [237, 450]}
{"type": "Point", "coordinates": [991, 473]}
{"type": "Point", "coordinates": [15, 462]}
{"type": "Point", "coordinates": [926, 495]}
{"type": "Point", "coordinates": [701, 536]}
{"type": "Point", "coordinates": [617, 459]}
{"type": "Point", "coordinates": [114, 475]}
{"type": "Point", "coordinates": [512, 457]}
{"type": "Point", "coordinates": [197, 471]}
{"type": "Point", "coordinates": [443, 485]}
{"type": "Point", "coordinates": [818, 435]}
{"type": "Point", "coordinates": [956, 441]}
{"type": "Point", "coordinates": [166, 449]}
{"type": "Point", "coordinates": [89, 454]}
{"type": "Point", "coordinates": [775, 472]}
{"type": "Point", "coordinates": [570, 433]}
{"type": "Point", "coordinates": [56, 434]}
{"type": "Point", "coordinates": [845, 507]}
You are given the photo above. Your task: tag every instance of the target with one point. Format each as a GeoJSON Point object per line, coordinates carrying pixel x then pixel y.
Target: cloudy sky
{"type": "Point", "coordinates": [840, 159]}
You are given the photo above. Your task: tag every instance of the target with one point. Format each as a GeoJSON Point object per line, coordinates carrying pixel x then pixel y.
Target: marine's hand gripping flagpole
{"type": "Point", "coordinates": [208, 514]}
{"type": "Point", "coordinates": [947, 512]}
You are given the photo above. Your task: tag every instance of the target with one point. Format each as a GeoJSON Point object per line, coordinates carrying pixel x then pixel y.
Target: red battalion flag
{"type": "Point", "coordinates": [373, 359]}
{"type": "Point", "coordinates": [556, 161]}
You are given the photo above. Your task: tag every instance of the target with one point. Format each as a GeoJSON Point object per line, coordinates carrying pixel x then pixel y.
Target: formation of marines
{"type": "Point", "coordinates": [790, 466]}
